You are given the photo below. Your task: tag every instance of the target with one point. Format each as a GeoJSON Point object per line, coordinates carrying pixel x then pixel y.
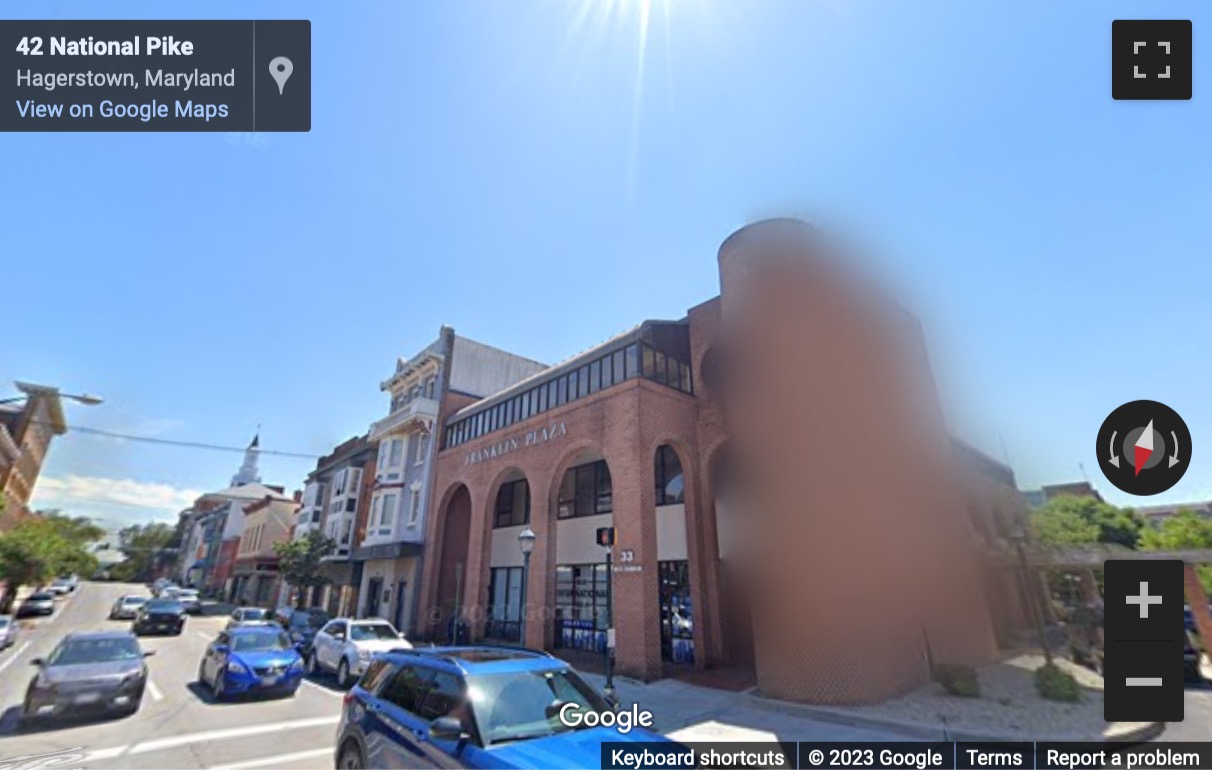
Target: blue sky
{"type": "Point", "coordinates": [542, 175]}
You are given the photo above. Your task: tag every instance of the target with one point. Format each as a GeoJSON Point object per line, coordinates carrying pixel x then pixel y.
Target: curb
{"type": "Point", "coordinates": [1144, 731]}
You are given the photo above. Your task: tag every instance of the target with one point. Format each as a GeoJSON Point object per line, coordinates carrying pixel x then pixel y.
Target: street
{"type": "Point", "coordinates": [179, 727]}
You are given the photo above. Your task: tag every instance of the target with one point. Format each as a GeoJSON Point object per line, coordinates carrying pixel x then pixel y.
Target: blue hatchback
{"type": "Point", "coordinates": [472, 707]}
{"type": "Point", "coordinates": [251, 659]}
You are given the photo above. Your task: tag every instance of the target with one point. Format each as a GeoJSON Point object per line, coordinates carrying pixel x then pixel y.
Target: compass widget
{"type": "Point", "coordinates": [1144, 448]}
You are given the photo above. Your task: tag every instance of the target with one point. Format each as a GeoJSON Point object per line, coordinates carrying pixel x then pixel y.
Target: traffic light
{"type": "Point", "coordinates": [606, 537]}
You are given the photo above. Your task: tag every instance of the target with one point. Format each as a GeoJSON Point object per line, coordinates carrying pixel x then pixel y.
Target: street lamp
{"type": "Point", "coordinates": [526, 540]}
{"type": "Point", "coordinates": [1019, 537]}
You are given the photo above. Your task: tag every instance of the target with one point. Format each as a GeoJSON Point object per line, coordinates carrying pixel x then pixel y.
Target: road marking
{"type": "Point", "coordinates": [201, 635]}
{"type": "Point", "coordinates": [155, 691]}
{"type": "Point", "coordinates": [281, 759]}
{"type": "Point", "coordinates": [325, 690]}
{"type": "Point", "coordinates": [235, 732]}
{"type": "Point", "coordinates": [9, 661]}
{"type": "Point", "coordinates": [116, 751]}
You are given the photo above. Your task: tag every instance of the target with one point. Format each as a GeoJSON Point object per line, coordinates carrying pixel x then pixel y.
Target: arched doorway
{"type": "Point", "coordinates": [583, 501]}
{"type": "Point", "coordinates": [452, 561]}
{"type": "Point", "coordinates": [508, 517]}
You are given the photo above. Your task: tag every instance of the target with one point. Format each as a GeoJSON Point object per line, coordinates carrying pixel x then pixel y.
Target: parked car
{"type": "Point", "coordinates": [40, 603]}
{"type": "Point", "coordinates": [251, 659]}
{"type": "Point", "coordinates": [167, 590]}
{"type": "Point", "coordinates": [190, 599]}
{"type": "Point", "coordinates": [160, 616]}
{"type": "Point", "coordinates": [345, 646]}
{"type": "Point", "coordinates": [61, 586]}
{"type": "Point", "coordinates": [127, 607]}
{"type": "Point", "coordinates": [98, 672]}
{"type": "Point", "coordinates": [8, 631]}
{"type": "Point", "coordinates": [302, 625]}
{"type": "Point", "coordinates": [413, 708]}
{"type": "Point", "coordinates": [251, 616]}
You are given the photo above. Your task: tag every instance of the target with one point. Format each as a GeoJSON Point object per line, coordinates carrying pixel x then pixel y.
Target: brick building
{"type": "Point", "coordinates": [792, 418]}
{"type": "Point", "coordinates": [26, 430]}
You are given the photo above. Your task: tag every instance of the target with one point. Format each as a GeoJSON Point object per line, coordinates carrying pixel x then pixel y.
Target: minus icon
{"type": "Point", "coordinates": [1144, 681]}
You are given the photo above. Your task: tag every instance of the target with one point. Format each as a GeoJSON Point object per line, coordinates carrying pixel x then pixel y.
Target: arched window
{"type": "Point", "coordinates": [513, 504]}
{"type": "Point", "coordinates": [669, 479]}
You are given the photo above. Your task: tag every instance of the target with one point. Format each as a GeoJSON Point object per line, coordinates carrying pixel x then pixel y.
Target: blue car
{"type": "Point", "coordinates": [251, 660]}
{"type": "Point", "coordinates": [473, 707]}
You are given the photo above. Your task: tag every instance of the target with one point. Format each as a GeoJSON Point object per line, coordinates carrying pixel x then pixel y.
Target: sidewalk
{"type": "Point", "coordinates": [1009, 709]}
{"type": "Point", "coordinates": [686, 712]}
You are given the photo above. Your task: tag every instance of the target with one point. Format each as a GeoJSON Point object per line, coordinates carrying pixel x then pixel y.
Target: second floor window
{"type": "Point", "coordinates": [395, 452]}
{"type": "Point", "coordinates": [586, 491]}
{"type": "Point", "coordinates": [513, 504]}
{"type": "Point", "coordinates": [387, 516]}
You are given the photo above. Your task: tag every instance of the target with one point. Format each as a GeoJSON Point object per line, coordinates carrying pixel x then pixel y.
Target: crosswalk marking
{"type": "Point", "coordinates": [279, 759]}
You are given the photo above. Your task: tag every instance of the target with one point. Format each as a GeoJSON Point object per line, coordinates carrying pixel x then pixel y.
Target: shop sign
{"type": "Point", "coordinates": [513, 443]}
{"type": "Point", "coordinates": [629, 568]}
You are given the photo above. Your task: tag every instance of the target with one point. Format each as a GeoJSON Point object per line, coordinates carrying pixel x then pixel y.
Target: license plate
{"type": "Point", "coordinates": [269, 681]}
{"type": "Point", "coordinates": [88, 697]}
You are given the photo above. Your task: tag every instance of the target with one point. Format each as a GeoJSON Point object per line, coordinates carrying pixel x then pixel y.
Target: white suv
{"type": "Point", "coordinates": [345, 646]}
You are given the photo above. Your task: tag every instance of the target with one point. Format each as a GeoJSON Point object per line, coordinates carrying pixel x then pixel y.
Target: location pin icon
{"type": "Point", "coordinates": [280, 67]}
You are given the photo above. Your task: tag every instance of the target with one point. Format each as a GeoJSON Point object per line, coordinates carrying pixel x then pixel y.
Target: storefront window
{"type": "Point", "coordinates": [677, 619]}
{"type": "Point", "coordinates": [505, 607]}
{"type": "Point", "coordinates": [581, 607]}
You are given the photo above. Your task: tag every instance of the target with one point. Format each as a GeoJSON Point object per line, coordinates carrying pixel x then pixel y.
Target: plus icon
{"type": "Point", "coordinates": [1144, 600]}
{"type": "Point", "coordinates": [1151, 59]}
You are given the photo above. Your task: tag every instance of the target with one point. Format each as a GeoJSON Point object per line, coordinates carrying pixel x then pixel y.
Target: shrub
{"type": "Point", "coordinates": [1054, 683]}
{"type": "Point", "coordinates": [958, 680]}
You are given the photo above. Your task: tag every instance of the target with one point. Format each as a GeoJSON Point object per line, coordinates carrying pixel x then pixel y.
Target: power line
{"type": "Point", "coordinates": [186, 444]}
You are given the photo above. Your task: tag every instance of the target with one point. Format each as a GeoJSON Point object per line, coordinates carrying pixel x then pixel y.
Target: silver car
{"type": "Point", "coordinates": [127, 607]}
{"type": "Point", "coordinates": [99, 672]}
{"type": "Point", "coordinates": [251, 616]}
{"type": "Point", "coordinates": [41, 603]}
{"type": "Point", "coordinates": [8, 631]}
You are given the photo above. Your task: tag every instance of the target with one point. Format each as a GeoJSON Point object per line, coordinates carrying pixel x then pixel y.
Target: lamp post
{"type": "Point", "coordinates": [83, 398]}
{"type": "Point", "coordinates": [526, 540]}
{"type": "Point", "coordinates": [1019, 537]}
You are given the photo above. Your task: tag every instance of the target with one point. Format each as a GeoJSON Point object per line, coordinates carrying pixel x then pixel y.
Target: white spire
{"type": "Point", "coordinates": [248, 473]}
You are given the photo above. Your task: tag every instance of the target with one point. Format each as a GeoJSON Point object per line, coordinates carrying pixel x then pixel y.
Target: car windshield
{"type": "Point", "coordinates": [308, 620]}
{"type": "Point", "coordinates": [371, 632]}
{"type": "Point", "coordinates": [3, 622]}
{"type": "Point", "coordinates": [41, 597]}
{"type": "Point", "coordinates": [525, 704]}
{"type": "Point", "coordinates": [61, 582]}
{"type": "Point", "coordinates": [76, 651]}
{"type": "Point", "coordinates": [188, 593]}
{"type": "Point", "coordinates": [136, 600]}
{"type": "Point", "coordinates": [253, 613]}
{"type": "Point", "coordinates": [260, 642]}
{"type": "Point", "coordinates": [163, 605]}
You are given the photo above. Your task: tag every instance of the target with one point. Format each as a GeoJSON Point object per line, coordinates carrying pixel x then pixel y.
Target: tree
{"type": "Point", "coordinates": [148, 548]}
{"type": "Point", "coordinates": [1072, 520]}
{"type": "Point", "coordinates": [299, 562]}
{"type": "Point", "coordinates": [1184, 530]}
{"type": "Point", "coordinates": [43, 546]}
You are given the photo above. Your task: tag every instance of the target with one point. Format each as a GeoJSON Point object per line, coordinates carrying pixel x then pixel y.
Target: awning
{"type": "Point", "coordinates": [199, 564]}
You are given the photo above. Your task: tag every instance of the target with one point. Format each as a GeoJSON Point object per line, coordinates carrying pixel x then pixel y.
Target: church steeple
{"type": "Point", "coordinates": [248, 473]}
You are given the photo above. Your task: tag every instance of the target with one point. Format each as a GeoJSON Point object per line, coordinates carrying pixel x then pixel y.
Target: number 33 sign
{"type": "Point", "coordinates": [626, 557]}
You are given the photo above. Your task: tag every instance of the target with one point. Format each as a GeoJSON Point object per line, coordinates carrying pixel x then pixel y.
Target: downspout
{"type": "Point", "coordinates": [431, 468]}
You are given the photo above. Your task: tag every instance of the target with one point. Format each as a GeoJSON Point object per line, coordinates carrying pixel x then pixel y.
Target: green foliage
{"type": "Point", "coordinates": [147, 548]}
{"type": "Point", "coordinates": [1183, 530]}
{"type": "Point", "coordinates": [299, 561]}
{"type": "Point", "coordinates": [44, 546]}
{"type": "Point", "coordinates": [1054, 683]}
{"type": "Point", "coordinates": [958, 680]}
{"type": "Point", "coordinates": [1071, 520]}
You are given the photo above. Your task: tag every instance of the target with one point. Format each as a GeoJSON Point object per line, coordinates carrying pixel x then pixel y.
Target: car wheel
{"type": "Point", "coordinates": [343, 674]}
{"type": "Point", "coordinates": [217, 688]}
{"type": "Point", "coordinates": [350, 758]}
{"type": "Point", "coordinates": [202, 672]}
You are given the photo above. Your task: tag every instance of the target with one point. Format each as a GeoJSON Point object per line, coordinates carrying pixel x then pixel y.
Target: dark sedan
{"type": "Point", "coordinates": [302, 626]}
{"type": "Point", "coordinates": [41, 603]}
{"type": "Point", "coordinates": [93, 673]}
{"type": "Point", "coordinates": [160, 616]}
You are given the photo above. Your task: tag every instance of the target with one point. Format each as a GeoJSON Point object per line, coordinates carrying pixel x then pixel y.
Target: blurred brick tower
{"type": "Point", "coordinates": [859, 553]}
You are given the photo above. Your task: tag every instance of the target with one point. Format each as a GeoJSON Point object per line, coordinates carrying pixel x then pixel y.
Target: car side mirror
{"type": "Point", "coordinates": [445, 729]}
{"type": "Point", "coordinates": [37, 662]}
{"type": "Point", "coordinates": [222, 649]}
{"type": "Point", "coordinates": [148, 653]}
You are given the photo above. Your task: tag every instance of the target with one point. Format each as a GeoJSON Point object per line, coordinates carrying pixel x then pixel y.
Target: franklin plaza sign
{"type": "Point", "coordinates": [507, 445]}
